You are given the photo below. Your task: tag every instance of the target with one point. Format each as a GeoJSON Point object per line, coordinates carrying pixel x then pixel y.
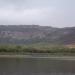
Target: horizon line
{"type": "Point", "coordinates": [35, 25]}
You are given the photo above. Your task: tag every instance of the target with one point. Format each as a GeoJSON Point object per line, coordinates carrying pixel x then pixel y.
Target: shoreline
{"type": "Point", "coordinates": [39, 57]}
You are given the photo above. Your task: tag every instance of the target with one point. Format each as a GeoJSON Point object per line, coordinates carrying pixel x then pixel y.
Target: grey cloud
{"type": "Point", "coordinates": [43, 12]}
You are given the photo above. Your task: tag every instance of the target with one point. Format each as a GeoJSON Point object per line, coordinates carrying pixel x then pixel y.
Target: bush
{"type": "Point", "coordinates": [33, 49]}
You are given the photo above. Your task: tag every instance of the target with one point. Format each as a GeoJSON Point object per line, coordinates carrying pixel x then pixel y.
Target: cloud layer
{"type": "Point", "coordinates": [57, 13]}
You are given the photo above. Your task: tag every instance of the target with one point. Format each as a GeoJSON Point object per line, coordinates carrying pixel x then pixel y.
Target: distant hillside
{"type": "Point", "coordinates": [27, 34]}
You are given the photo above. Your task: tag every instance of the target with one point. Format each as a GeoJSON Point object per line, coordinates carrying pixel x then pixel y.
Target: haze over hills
{"type": "Point", "coordinates": [28, 34]}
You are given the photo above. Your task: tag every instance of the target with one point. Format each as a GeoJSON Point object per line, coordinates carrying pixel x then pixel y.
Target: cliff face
{"type": "Point", "coordinates": [26, 34]}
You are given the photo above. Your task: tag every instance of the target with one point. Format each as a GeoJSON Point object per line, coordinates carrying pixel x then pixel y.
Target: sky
{"type": "Point", "coordinates": [56, 13]}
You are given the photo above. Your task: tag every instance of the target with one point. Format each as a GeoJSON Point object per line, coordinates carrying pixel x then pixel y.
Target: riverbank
{"type": "Point", "coordinates": [48, 57]}
{"type": "Point", "coordinates": [37, 49]}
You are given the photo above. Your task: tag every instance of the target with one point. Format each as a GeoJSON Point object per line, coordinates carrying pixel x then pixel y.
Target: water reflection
{"type": "Point", "coordinates": [36, 66]}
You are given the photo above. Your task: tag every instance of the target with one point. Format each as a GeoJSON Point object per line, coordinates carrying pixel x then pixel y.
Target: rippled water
{"type": "Point", "coordinates": [36, 66]}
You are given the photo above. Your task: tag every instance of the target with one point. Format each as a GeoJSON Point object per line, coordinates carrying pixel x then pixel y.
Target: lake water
{"type": "Point", "coordinates": [36, 66]}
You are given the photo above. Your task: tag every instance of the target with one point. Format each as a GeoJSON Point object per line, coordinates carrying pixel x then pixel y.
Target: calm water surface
{"type": "Point", "coordinates": [36, 66]}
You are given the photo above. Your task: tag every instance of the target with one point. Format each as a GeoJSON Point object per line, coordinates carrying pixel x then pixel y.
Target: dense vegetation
{"type": "Point", "coordinates": [25, 49]}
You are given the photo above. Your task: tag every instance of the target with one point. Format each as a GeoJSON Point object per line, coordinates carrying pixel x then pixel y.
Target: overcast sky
{"type": "Point", "coordinates": [57, 13]}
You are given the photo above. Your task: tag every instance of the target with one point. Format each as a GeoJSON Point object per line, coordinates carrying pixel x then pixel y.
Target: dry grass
{"type": "Point", "coordinates": [71, 46]}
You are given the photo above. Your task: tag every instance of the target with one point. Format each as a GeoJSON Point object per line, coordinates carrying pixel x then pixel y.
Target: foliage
{"type": "Point", "coordinates": [22, 49]}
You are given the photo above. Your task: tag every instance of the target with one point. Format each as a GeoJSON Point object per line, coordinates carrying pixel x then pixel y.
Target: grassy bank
{"type": "Point", "coordinates": [47, 49]}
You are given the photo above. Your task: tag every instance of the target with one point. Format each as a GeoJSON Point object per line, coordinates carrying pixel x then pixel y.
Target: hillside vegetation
{"type": "Point", "coordinates": [28, 39]}
{"type": "Point", "coordinates": [29, 34]}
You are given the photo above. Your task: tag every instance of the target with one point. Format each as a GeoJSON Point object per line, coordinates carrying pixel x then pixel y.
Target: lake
{"type": "Point", "coordinates": [36, 66]}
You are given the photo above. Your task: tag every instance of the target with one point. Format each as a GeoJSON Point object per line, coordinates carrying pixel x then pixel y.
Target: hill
{"type": "Point", "coordinates": [28, 34]}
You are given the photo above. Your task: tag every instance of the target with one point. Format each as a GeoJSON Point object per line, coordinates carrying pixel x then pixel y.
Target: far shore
{"type": "Point", "coordinates": [48, 57]}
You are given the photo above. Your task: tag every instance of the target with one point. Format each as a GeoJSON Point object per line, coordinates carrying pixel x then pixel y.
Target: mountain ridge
{"type": "Point", "coordinates": [28, 34]}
